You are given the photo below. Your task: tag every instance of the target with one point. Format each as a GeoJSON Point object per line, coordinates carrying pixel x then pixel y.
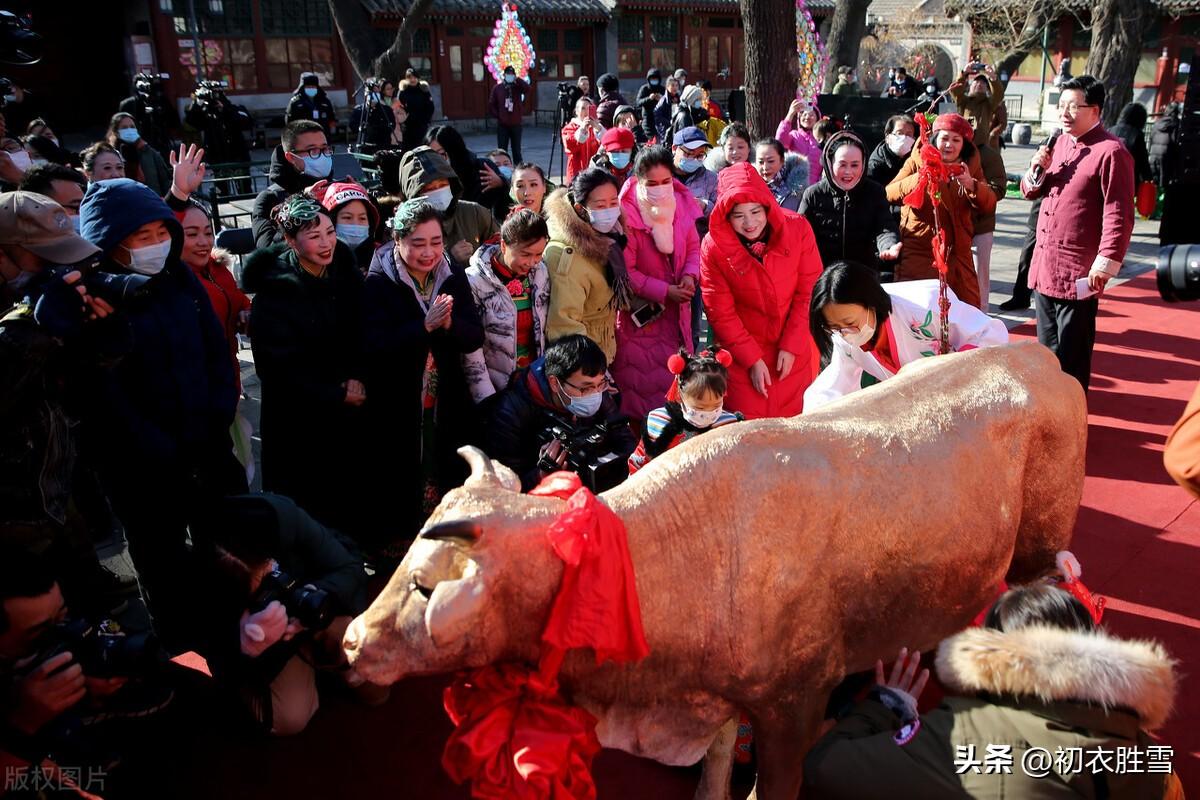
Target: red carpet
{"type": "Point", "coordinates": [1137, 537]}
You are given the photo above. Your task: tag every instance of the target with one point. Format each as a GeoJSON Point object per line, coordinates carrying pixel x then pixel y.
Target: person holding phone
{"type": "Point", "coordinates": [581, 137]}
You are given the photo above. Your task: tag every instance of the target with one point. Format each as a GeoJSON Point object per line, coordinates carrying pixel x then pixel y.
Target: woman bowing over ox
{"type": "Point", "coordinates": [758, 265]}
{"type": "Point", "coordinates": [662, 255]}
{"type": "Point", "coordinates": [866, 331]}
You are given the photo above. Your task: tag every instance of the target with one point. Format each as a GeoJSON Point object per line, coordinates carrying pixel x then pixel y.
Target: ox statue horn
{"type": "Point", "coordinates": [486, 473]}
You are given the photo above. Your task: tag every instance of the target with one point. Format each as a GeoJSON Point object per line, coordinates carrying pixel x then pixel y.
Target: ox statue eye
{"type": "Point", "coordinates": [415, 586]}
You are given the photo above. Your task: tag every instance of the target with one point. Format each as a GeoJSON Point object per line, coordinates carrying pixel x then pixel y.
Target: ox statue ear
{"type": "Point", "coordinates": [486, 474]}
{"type": "Point", "coordinates": [455, 607]}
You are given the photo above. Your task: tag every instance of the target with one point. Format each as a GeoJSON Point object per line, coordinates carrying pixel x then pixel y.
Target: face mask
{"type": "Point", "coordinates": [690, 165]}
{"type": "Point", "coordinates": [700, 419]}
{"type": "Point", "coordinates": [604, 219]}
{"type": "Point", "coordinates": [40, 162]}
{"type": "Point", "coordinates": [151, 259]}
{"type": "Point", "coordinates": [440, 198]}
{"type": "Point", "coordinates": [128, 135]}
{"type": "Point", "coordinates": [318, 167]}
{"type": "Point", "coordinates": [310, 91]}
{"type": "Point", "coordinates": [899, 144]}
{"type": "Point", "coordinates": [654, 81]}
{"type": "Point", "coordinates": [585, 406]}
{"type": "Point", "coordinates": [353, 235]}
{"type": "Point", "coordinates": [862, 337]}
{"type": "Point", "coordinates": [619, 160]}
{"type": "Point", "coordinates": [659, 194]}
{"type": "Point", "coordinates": [20, 160]}
{"type": "Point", "coordinates": [510, 78]}
{"type": "Point", "coordinates": [506, 173]}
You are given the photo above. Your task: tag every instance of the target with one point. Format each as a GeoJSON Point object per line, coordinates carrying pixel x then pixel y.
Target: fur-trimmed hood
{"type": "Point", "coordinates": [1054, 665]}
{"type": "Point", "coordinates": [567, 226]}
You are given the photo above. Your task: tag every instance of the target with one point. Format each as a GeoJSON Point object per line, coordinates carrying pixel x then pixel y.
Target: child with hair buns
{"type": "Point", "coordinates": [695, 404]}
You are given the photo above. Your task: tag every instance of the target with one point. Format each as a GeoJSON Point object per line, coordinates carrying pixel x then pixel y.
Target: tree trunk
{"type": "Point", "coordinates": [393, 61]}
{"type": "Point", "coordinates": [1041, 14]}
{"type": "Point", "coordinates": [845, 36]}
{"type": "Point", "coordinates": [374, 52]}
{"type": "Point", "coordinates": [1117, 27]}
{"type": "Point", "coordinates": [771, 62]}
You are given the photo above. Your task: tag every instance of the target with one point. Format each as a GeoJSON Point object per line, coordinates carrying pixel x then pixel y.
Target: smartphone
{"type": "Point", "coordinates": [646, 314]}
{"type": "Point", "coordinates": [592, 111]}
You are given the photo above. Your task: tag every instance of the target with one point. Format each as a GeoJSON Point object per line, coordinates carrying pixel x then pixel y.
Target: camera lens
{"type": "Point", "coordinates": [1178, 272]}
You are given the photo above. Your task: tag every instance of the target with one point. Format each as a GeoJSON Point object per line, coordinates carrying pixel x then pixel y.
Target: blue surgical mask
{"type": "Point", "coordinates": [619, 160]}
{"type": "Point", "coordinates": [151, 259]}
{"type": "Point", "coordinates": [311, 91]}
{"type": "Point", "coordinates": [318, 166]}
{"type": "Point", "coordinates": [128, 135]}
{"type": "Point", "coordinates": [353, 235]}
{"type": "Point", "coordinates": [506, 173]}
{"type": "Point", "coordinates": [510, 78]}
{"type": "Point", "coordinates": [585, 406]}
{"type": "Point", "coordinates": [604, 219]}
{"type": "Point", "coordinates": [690, 165]}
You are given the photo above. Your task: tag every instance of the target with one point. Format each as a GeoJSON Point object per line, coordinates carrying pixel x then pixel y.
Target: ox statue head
{"type": "Point", "coordinates": [474, 588]}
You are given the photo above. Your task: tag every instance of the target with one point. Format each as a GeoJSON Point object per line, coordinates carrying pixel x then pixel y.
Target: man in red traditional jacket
{"type": "Point", "coordinates": [1083, 229]}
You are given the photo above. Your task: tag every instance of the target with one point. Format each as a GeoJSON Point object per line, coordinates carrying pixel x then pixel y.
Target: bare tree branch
{"type": "Point", "coordinates": [375, 52]}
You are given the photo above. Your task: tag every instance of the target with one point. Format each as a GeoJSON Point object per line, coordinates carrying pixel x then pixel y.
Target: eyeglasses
{"type": "Point", "coordinates": [314, 152]}
{"type": "Point", "coordinates": [602, 386]}
{"type": "Point", "coordinates": [1074, 107]}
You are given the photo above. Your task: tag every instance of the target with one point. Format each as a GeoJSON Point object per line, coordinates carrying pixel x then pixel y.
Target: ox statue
{"type": "Point", "coordinates": [773, 557]}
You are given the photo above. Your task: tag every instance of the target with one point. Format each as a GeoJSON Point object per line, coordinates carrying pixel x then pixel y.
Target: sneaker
{"type": "Point", "coordinates": [133, 701]}
{"type": "Point", "coordinates": [1015, 304]}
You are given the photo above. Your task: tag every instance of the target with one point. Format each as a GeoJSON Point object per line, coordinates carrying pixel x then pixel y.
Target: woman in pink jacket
{"type": "Point", "coordinates": [662, 256]}
{"type": "Point", "coordinates": [796, 133]}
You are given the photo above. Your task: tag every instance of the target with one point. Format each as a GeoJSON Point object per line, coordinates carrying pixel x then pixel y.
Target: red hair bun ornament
{"type": "Point", "coordinates": [724, 358]}
{"type": "Point", "coordinates": [676, 363]}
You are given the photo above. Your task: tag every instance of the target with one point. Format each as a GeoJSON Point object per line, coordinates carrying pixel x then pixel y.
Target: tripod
{"type": "Point", "coordinates": [560, 121]}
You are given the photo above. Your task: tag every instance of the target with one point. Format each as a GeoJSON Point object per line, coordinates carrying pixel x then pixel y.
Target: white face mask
{"type": "Point", "coordinates": [899, 144]}
{"type": "Point", "coordinates": [659, 194]}
{"type": "Point", "coordinates": [859, 338]}
{"type": "Point", "coordinates": [440, 198]}
{"type": "Point", "coordinates": [21, 160]}
{"type": "Point", "coordinates": [151, 259]}
{"type": "Point", "coordinates": [604, 219]}
{"type": "Point", "coordinates": [700, 419]}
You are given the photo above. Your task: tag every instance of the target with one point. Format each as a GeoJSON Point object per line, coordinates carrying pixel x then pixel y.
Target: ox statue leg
{"type": "Point", "coordinates": [782, 737]}
{"type": "Point", "coordinates": [718, 765]}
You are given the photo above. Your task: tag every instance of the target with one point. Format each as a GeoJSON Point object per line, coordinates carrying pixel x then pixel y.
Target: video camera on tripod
{"type": "Point", "coordinates": [209, 93]}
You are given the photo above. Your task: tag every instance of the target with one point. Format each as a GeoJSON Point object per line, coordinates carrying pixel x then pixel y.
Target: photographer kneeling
{"type": "Point", "coordinates": [285, 588]}
{"type": "Point", "coordinates": [559, 414]}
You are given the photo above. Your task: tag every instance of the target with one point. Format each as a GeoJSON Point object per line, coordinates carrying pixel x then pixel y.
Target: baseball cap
{"type": "Point", "coordinates": [42, 227]}
{"type": "Point", "coordinates": [691, 138]}
{"type": "Point", "coordinates": [618, 139]}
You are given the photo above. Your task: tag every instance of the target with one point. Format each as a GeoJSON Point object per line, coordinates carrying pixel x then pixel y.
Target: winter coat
{"type": "Point", "coordinates": [664, 114]}
{"type": "Point", "coordinates": [488, 369]}
{"type": "Point", "coordinates": [578, 153]}
{"type": "Point", "coordinates": [913, 329]}
{"type": "Point", "coordinates": [1164, 150]}
{"type": "Point", "coordinates": [994, 172]}
{"type": "Point", "coordinates": [144, 161]}
{"type": "Point", "coordinates": [507, 101]}
{"type": "Point", "coordinates": [797, 140]}
{"type": "Point", "coordinates": [757, 308]}
{"type": "Point", "coordinates": [640, 367]}
{"type": "Point", "coordinates": [1033, 688]}
{"type": "Point", "coordinates": [581, 298]}
{"type": "Point", "coordinates": [789, 183]}
{"type": "Point", "coordinates": [307, 339]}
{"type": "Point", "coordinates": [463, 220]}
{"type": "Point", "coordinates": [228, 301]}
{"type": "Point", "coordinates": [956, 217]}
{"type": "Point", "coordinates": [167, 405]}
{"type": "Point", "coordinates": [606, 111]}
{"type": "Point", "coordinates": [397, 348]}
{"type": "Point", "coordinates": [418, 104]}
{"type": "Point", "coordinates": [317, 109]}
{"type": "Point", "coordinates": [855, 224]}
{"type": "Point", "coordinates": [285, 180]}
{"type": "Point", "coordinates": [978, 109]}
{"type": "Point", "coordinates": [1086, 214]}
{"type": "Point", "coordinates": [647, 104]}
{"type": "Point", "coordinates": [1130, 129]}
{"type": "Point", "coordinates": [525, 409]}
{"type": "Point", "coordinates": [1181, 455]}
{"type": "Point", "coordinates": [703, 185]}
{"type": "Point", "coordinates": [668, 422]}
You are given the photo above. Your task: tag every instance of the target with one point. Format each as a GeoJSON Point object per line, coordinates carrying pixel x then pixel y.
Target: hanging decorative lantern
{"type": "Point", "coordinates": [811, 53]}
{"type": "Point", "coordinates": [510, 45]}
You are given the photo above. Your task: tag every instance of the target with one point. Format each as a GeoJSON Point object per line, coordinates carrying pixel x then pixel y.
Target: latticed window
{"type": "Point", "coordinates": [295, 17]}
{"type": "Point", "coordinates": [231, 17]}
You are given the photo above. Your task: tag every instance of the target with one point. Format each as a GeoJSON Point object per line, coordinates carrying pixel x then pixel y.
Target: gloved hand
{"type": "Point", "coordinates": [263, 629]}
{"type": "Point", "coordinates": [60, 309]}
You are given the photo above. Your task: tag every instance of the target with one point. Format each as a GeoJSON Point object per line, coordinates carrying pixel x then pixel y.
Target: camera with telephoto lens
{"type": "Point", "coordinates": [588, 453]}
{"type": "Point", "coordinates": [1178, 272]}
{"type": "Point", "coordinates": [102, 649]}
{"type": "Point", "coordinates": [114, 289]}
{"type": "Point", "coordinates": [312, 608]}
{"type": "Point", "coordinates": [209, 92]}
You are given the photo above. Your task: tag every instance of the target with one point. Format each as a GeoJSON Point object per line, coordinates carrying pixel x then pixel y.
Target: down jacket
{"type": "Point", "coordinates": [1068, 693]}
{"type": "Point", "coordinates": [757, 308]}
{"type": "Point", "coordinates": [640, 367]}
{"type": "Point", "coordinates": [488, 368]}
{"type": "Point", "coordinates": [800, 141]}
{"type": "Point", "coordinates": [854, 224]}
{"type": "Point", "coordinates": [955, 215]}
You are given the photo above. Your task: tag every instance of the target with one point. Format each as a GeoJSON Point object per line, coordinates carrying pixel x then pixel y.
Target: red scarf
{"type": "Point", "coordinates": [515, 736]}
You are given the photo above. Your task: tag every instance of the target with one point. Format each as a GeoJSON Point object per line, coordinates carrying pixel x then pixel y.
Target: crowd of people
{"type": "Point", "coordinates": [466, 300]}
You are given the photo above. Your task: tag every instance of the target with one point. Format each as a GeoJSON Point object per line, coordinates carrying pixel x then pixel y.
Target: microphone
{"type": "Point", "coordinates": [1037, 171]}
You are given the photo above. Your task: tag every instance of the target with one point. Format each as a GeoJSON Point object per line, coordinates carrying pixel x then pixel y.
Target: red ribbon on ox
{"type": "Point", "coordinates": [933, 174]}
{"type": "Point", "coordinates": [515, 736]}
